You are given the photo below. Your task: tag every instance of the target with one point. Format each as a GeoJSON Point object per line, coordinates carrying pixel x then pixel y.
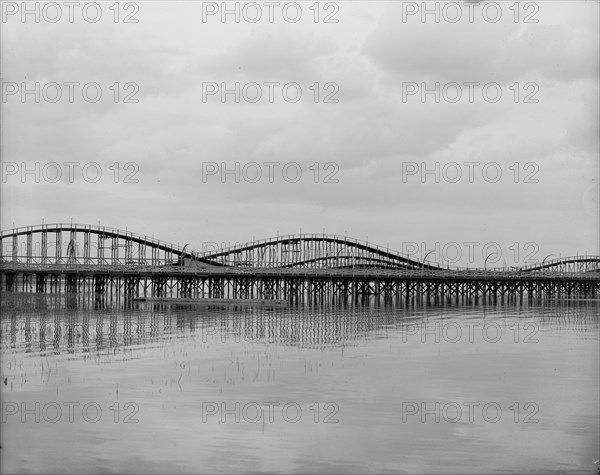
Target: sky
{"type": "Point", "coordinates": [462, 128]}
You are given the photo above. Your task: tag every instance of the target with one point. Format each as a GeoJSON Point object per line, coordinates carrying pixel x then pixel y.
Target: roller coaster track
{"type": "Point", "coordinates": [31, 245]}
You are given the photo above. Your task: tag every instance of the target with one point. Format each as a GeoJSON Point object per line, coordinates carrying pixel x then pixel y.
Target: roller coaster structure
{"type": "Point", "coordinates": [76, 258]}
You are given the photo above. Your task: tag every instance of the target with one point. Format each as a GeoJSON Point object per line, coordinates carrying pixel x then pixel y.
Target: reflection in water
{"type": "Point", "coordinates": [85, 333]}
{"type": "Point", "coordinates": [42, 331]}
{"type": "Point", "coordinates": [318, 327]}
{"type": "Point", "coordinates": [365, 359]}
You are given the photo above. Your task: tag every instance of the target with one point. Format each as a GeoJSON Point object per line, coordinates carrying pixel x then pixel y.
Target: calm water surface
{"type": "Point", "coordinates": [91, 387]}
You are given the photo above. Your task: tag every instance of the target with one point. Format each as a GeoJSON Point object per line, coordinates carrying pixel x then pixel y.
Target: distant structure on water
{"type": "Point", "coordinates": [75, 258]}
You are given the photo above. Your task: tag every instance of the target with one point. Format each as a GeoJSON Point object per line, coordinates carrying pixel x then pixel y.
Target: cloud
{"type": "Point", "coordinates": [274, 56]}
{"type": "Point", "coordinates": [370, 133]}
{"type": "Point", "coordinates": [501, 52]}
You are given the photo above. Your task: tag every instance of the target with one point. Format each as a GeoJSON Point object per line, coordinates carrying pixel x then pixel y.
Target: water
{"type": "Point", "coordinates": [360, 389]}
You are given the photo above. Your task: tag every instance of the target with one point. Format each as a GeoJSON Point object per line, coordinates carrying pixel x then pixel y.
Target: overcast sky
{"type": "Point", "coordinates": [365, 126]}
